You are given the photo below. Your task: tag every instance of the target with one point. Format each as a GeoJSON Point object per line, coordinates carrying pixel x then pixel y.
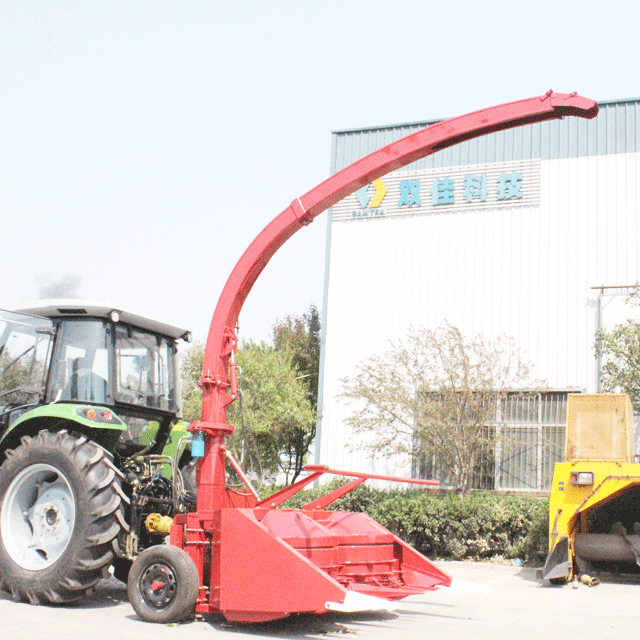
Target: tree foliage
{"type": "Point", "coordinates": [434, 393]}
{"type": "Point", "coordinates": [274, 413]}
{"type": "Point", "coordinates": [16, 374]}
{"type": "Point", "coordinates": [301, 336]}
{"type": "Point", "coordinates": [190, 372]}
{"type": "Point", "coordinates": [275, 417]}
{"type": "Point", "coordinates": [619, 349]}
{"type": "Point", "coordinates": [22, 368]}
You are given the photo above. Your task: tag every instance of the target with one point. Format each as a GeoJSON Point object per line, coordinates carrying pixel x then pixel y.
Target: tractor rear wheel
{"type": "Point", "coordinates": [163, 584]}
{"type": "Point", "coordinates": [60, 513]}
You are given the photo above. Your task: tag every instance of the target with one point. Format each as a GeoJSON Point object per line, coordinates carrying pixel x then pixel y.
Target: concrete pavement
{"type": "Point", "coordinates": [486, 602]}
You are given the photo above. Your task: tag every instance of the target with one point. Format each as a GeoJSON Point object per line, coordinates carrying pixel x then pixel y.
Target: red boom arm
{"type": "Point", "coordinates": [217, 380]}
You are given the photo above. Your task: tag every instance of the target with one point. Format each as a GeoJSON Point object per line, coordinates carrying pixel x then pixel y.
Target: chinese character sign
{"type": "Point", "coordinates": [509, 186]}
{"type": "Point", "coordinates": [467, 187]}
{"type": "Point", "coordinates": [442, 191]}
{"type": "Point", "coordinates": [475, 187]}
{"type": "Point", "coordinates": [409, 193]}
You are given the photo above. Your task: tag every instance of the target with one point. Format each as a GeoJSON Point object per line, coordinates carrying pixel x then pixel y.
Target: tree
{"type": "Point", "coordinates": [434, 393]}
{"type": "Point", "coordinates": [190, 372]}
{"type": "Point", "coordinates": [301, 336]}
{"type": "Point", "coordinates": [619, 349]}
{"type": "Point", "coordinates": [273, 415]}
{"type": "Point", "coordinates": [18, 373]}
{"type": "Point", "coordinates": [275, 411]}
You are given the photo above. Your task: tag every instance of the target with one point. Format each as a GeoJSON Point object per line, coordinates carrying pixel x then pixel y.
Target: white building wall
{"type": "Point", "coordinates": [523, 269]}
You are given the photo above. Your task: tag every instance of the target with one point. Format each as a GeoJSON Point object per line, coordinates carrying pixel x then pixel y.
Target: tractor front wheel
{"type": "Point", "coordinates": [60, 512]}
{"type": "Point", "coordinates": [163, 584]}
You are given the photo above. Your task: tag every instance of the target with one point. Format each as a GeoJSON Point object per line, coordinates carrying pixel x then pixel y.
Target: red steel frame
{"type": "Point", "coordinates": [217, 533]}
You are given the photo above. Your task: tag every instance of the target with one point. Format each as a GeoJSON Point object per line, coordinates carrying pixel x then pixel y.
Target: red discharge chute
{"type": "Point", "coordinates": [221, 341]}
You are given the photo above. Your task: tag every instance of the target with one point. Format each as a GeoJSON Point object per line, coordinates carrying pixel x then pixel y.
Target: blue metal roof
{"type": "Point", "coordinates": [616, 129]}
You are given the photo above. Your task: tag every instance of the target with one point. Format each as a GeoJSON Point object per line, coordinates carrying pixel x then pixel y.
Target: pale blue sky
{"type": "Point", "coordinates": [144, 144]}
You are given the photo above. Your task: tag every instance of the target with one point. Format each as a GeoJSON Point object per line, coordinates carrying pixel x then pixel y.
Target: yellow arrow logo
{"type": "Point", "coordinates": [381, 192]}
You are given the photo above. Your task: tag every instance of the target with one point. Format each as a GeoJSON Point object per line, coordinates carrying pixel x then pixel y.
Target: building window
{"type": "Point", "coordinates": [526, 440]}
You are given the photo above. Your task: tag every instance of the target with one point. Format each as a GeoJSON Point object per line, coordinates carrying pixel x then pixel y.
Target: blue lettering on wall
{"type": "Point", "coordinates": [410, 193]}
{"type": "Point", "coordinates": [509, 185]}
{"type": "Point", "coordinates": [442, 191]}
{"type": "Point", "coordinates": [475, 186]}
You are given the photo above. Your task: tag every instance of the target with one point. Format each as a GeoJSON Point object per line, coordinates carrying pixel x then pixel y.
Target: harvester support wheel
{"type": "Point", "coordinates": [60, 513]}
{"type": "Point", "coordinates": [163, 584]}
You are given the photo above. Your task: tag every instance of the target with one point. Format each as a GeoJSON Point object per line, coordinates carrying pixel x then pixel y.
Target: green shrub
{"type": "Point", "coordinates": [480, 526]}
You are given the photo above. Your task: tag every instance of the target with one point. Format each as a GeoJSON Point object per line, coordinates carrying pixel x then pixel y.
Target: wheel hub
{"type": "Point", "coordinates": [51, 516]}
{"type": "Point", "coordinates": [158, 585]}
{"type": "Point", "coordinates": [38, 517]}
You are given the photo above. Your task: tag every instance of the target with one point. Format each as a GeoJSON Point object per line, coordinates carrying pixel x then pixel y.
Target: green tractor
{"type": "Point", "coordinates": [94, 458]}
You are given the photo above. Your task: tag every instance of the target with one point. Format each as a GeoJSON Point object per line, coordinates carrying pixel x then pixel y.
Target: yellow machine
{"type": "Point", "coordinates": [594, 511]}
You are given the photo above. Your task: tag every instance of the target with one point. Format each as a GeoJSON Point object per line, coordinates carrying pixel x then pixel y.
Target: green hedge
{"type": "Point", "coordinates": [480, 526]}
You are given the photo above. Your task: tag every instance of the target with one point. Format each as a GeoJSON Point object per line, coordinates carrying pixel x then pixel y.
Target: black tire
{"type": "Point", "coordinates": [121, 568]}
{"type": "Point", "coordinates": [60, 514]}
{"type": "Point", "coordinates": [163, 584]}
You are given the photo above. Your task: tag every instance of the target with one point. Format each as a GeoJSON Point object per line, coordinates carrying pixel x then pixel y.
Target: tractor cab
{"type": "Point", "coordinates": [67, 351]}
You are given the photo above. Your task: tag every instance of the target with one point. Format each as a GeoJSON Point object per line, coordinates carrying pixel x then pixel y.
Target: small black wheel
{"type": "Point", "coordinates": [163, 584]}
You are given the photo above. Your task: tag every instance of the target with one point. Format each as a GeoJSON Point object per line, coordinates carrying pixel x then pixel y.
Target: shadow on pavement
{"type": "Point", "coordinates": [295, 626]}
{"type": "Point", "coordinates": [302, 626]}
{"type": "Point", "coordinates": [535, 575]}
{"type": "Point", "coordinates": [109, 593]}
{"type": "Point", "coordinates": [529, 574]}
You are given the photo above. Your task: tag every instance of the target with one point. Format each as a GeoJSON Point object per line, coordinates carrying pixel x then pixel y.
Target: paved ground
{"type": "Point", "coordinates": [488, 602]}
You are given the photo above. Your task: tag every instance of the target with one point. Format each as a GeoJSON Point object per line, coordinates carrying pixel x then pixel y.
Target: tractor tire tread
{"type": "Point", "coordinates": [99, 519]}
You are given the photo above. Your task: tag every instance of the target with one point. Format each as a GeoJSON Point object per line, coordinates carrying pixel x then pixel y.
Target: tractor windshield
{"type": "Point", "coordinates": [25, 342]}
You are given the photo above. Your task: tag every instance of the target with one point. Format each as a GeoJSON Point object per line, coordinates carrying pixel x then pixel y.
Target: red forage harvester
{"type": "Point", "coordinates": [243, 556]}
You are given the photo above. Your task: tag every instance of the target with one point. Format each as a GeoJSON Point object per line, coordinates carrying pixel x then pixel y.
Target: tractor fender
{"type": "Point", "coordinates": [100, 424]}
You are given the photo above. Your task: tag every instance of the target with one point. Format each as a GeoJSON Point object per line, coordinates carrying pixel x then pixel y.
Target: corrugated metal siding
{"type": "Point", "coordinates": [615, 130]}
{"type": "Point", "coordinates": [526, 271]}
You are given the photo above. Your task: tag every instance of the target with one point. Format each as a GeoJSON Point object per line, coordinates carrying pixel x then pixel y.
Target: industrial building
{"type": "Point", "coordinates": [532, 233]}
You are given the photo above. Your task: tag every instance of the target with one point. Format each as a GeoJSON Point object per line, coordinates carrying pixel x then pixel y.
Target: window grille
{"type": "Point", "coordinates": [529, 430]}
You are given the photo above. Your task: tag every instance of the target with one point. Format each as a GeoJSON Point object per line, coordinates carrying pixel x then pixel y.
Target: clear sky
{"type": "Point", "coordinates": [144, 144]}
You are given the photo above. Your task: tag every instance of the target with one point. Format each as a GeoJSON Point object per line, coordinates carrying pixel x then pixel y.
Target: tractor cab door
{"type": "Point", "coordinates": [80, 371]}
{"type": "Point", "coordinates": [25, 349]}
